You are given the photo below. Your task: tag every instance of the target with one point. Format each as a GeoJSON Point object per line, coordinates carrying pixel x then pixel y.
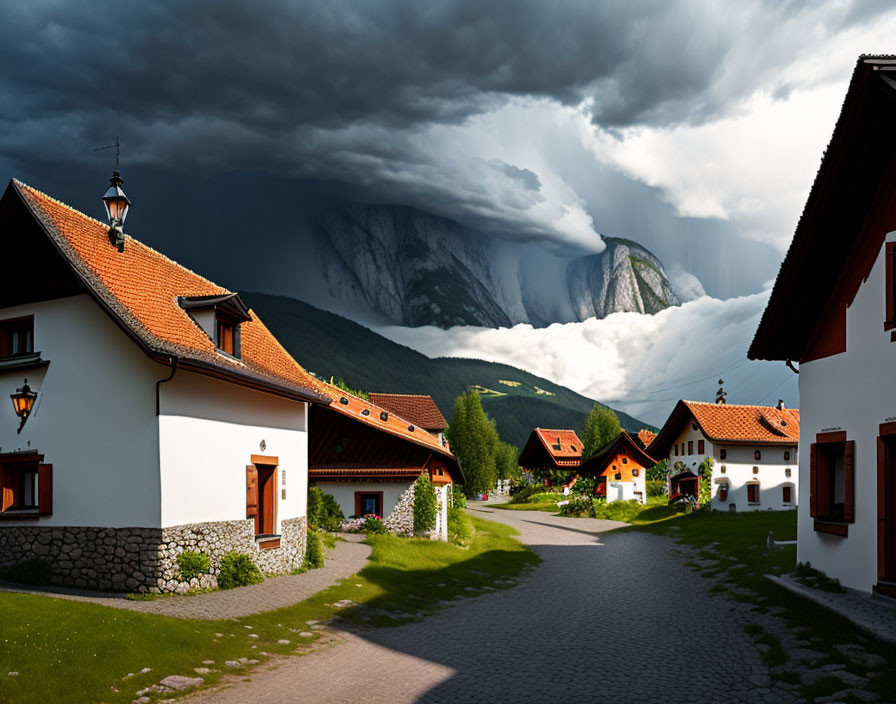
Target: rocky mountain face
{"type": "Point", "coordinates": [420, 269]}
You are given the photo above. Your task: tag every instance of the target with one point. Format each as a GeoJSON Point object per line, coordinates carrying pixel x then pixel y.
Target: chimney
{"type": "Point", "coordinates": [780, 405]}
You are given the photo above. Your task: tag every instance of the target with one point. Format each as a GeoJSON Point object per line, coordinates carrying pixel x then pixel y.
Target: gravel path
{"type": "Point", "coordinates": [604, 618]}
{"type": "Point", "coordinates": [344, 560]}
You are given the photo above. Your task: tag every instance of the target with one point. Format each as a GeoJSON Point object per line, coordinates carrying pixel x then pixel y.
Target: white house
{"type": "Point", "coordinates": [753, 451]}
{"type": "Point", "coordinates": [153, 411]}
{"type": "Point", "coordinates": [620, 469]}
{"type": "Point", "coordinates": [833, 308]}
{"type": "Point", "coordinates": [368, 459]}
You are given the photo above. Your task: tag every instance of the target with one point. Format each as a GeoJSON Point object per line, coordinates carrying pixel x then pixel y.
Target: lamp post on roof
{"type": "Point", "coordinates": [117, 203]}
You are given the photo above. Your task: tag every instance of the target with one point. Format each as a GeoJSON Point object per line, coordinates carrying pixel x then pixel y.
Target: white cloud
{"type": "Point", "coordinates": [685, 284]}
{"type": "Point", "coordinates": [640, 364]}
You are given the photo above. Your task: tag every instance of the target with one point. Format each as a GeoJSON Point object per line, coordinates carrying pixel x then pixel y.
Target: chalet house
{"type": "Point", "coordinates": [419, 409]}
{"type": "Point", "coordinates": [620, 469]}
{"type": "Point", "coordinates": [551, 450]}
{"type": "Point", "coordinates": [753, 448]}
{"type": "Point", "coordinates": [833, 309]}
{"type": "Point", "coordinates": [152, 411]}
{"type": "Point", "coordinates": [368, 458]}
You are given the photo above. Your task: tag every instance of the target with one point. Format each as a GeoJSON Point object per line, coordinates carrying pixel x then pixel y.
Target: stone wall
{"type": "Point", "coordinates": [145, 559]}
{"type": "Point", "coordinates": [401, 520]}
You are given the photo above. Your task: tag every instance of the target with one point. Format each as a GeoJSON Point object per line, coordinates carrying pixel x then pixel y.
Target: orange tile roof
{"type": "Point", "coordinates": [371, 414]}
{"type": "Point", "coordinates": [561, 444]}
{"type": "Point", "coordinates": [730, 423]}
{"type": "Point", "coordinates": [140, 287]}
{"type": "Point", "coordinates": [646, 437]}
{"type": "Point", "coordinates": [418, 409]}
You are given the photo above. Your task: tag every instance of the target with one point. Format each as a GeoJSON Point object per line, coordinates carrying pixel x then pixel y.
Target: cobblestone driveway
{"type": "Point", "coordinates": [604, 618]}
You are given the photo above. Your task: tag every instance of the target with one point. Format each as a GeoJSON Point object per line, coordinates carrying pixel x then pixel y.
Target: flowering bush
{"type": "Point", "coordinates": [373, 524]}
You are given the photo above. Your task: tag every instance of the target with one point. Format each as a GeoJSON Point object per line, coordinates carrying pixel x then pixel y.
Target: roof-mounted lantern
{"type": "Point", "coordinates": [117, 206]}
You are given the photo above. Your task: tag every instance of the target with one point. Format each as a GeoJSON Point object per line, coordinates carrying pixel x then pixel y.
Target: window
{"type": "Point", "coordinates": [690, 447]}
{"type": "Point", "coordinates": [723, 491]}
{"type": "Point", "coordinates": [787, 455]}
{"type": "Point", "coordinates": [890, 257]}
{"type": "Point", "coordinates": [701, 448]}
{"type": "Point", "coordinates": [723, 454]}
{"type": "Point", "coordinates": [787, 494]}
{"type": "Point", "coordinates": [225, 336]}
{"type": "Point", "coordinates": [635, 472]}
{"type": "Point", "coordinates": [368, 503]}
{"type": "Point", "coordinates": [625, 460]}
{"type": "Point", "coordinates": [757, 455]}
{"type": "Point", "coordinates": [676, 449]}
{"type": "Point", "coordinates": [16, 337]}
{"type": "Point", "coordinates": [752, 493]}
{"type": "Point", "coordinates": [261, 494]}
{"type": "Point", "coordinates": [832, 481]}
{"type": "Point", "coordinates": [25, 485]}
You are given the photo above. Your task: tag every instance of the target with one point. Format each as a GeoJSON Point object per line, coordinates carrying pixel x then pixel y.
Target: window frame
{"type": "Point", "coordinates": [753, 487]}
{"type": "Point", "coordinates": [890, 290]}
{"type": "Point", "coordinates": [823, 454]}
{"type": "Point", "coordinates": [359, 497]}
{"type": "Point", "coordinates": [14, 325]}
{"type": "Point", "coordinates": [14, 471]}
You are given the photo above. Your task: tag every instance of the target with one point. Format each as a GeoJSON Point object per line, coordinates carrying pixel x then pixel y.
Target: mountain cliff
{"type": "Point", "coordinates": [420, 269]}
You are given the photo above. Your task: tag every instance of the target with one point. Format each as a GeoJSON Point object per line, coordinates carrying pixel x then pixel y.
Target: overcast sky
{"type": "Point", "coordinates": [692, 127]}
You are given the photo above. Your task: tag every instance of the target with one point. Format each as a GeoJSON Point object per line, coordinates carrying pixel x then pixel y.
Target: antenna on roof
{"type": "Point", "coordinates": [117, 149]}
{"type": "Point", "coordinates": [720, 394]}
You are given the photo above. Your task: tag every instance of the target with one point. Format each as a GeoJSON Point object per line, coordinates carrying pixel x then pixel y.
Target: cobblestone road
{"type": "Point", "coordinates": [604, 618]}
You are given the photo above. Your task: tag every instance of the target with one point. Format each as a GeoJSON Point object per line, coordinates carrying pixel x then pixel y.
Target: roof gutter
{"type": "Point", "coordinates": [159, 383]}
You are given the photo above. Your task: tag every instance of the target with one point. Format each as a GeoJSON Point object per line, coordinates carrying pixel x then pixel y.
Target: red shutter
{"type": "Point", "coordinates": [813, 479]}
{"type": "Point", "coordinates": [701, 448]}
{"type": "Point", "coordinates": [890, 260]}
{"type": "Point", "coordinates": [7, 495]}
{"type": "Point", "coordinates": [849, 498]}
{"type": "Point", "coordinates": [251, 491]}
{"type": "Point", "coordinates": [723, 491]}
{"type": "Point", "coordinates": [45, 489]}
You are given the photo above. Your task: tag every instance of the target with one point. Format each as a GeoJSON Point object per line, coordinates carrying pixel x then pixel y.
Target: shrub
{"type": "Point", "coordinates": [323, 510]}
{"type": "Point", "coordinates": [460, 526]}
{"type": "Point", "coordinates": [425, 505]}
{"type": "Point", "coordinates": [29, 572]}
{"type": "Point", "coordinates": [237, 570]}
{"type": "Point", "coordinates": [584, 486]}
{"type": "Point", "coordinates": [314, 551]}
{"type": "Point", "coordinates": [656, 487]}
{"type": "Point", "coordinates": [578, 507]}
{"type": "Point", "coordinates": [618, 510]}
{"type": "Point", "coordinates": [811, 577]}
{"type": "Point", "coordinates": [458, 497]}
{"type": "Point", "coordinates": [373, 524]}
{"type": "Point", "coordinates": [535, 494]}
{"type": "Point", "coordinates": [192, 564]}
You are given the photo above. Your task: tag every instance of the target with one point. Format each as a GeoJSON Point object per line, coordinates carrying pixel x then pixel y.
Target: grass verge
{"type": "Point", "coordinates": [76, 652]}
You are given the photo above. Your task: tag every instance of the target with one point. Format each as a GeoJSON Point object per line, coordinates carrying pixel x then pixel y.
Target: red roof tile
{"type": "Point", "coordinates": [646, 437]}
{"type": "Point", "coordinates": [141, 287]}
{"type": "Point", "coordinates": [561, 444]}
{"type": "Point", "coordinates": [419, 409]}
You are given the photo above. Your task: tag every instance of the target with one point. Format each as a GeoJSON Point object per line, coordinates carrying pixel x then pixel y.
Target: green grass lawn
{"type": "Point", "coordinates": [67, 651]}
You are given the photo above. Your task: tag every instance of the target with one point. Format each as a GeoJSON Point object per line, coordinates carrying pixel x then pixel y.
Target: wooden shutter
{"type": "Point", "coordinates": [813, 480]}
{"type": "Point", "coordinates": [881, 508]}
{"type": "Point", "coordinates": [251, 491]}
{"type": "Point", "coordinates": [45, 489]}
{"type": "Point", "coordinates": [890, 262]}
{"type": "Point", "coordinates": [849, 465]}
{"type": "Point", "coordinates": [7, 495]}
{"type": "Point", "coordinates": [701, 448]}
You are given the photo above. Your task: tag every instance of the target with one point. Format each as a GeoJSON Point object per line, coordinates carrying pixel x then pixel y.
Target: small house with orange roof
{"type": "Point", "coordinates": [619, 469]}
{"type": "Point", "coordinates": [368, 458]}
{"type": "Point", "coordinates": [753, 451]}
{"type": "Point", "coordinates": [152, 412]}
{"type": "Point", "coordinates": [549, 450]}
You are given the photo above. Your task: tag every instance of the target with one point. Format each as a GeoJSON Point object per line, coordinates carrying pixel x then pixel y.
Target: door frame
{"type": "Point", "coordinates": [268, 464]}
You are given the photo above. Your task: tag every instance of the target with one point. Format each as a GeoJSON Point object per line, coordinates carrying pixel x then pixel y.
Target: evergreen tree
{"type": "Point", "coordinates": [601, 426]}
{"type": "Point", "coordinates": [507, 460]}
{"type": "Point", "coordinates": [474, 441]}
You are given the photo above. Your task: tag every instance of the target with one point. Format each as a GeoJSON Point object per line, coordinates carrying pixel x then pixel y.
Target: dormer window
{"type": "Point", "coordinates": [220, 317]}
{"type": "Point", "coordinates": [16, 337]}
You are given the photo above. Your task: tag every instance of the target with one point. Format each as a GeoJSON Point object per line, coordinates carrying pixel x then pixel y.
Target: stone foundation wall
{"type": "Point", "coordinates": [401, 520]}
{"type": "Point", "coordinates": [145, 559]}
{"type": "Point", "coordinates": [120, 559]}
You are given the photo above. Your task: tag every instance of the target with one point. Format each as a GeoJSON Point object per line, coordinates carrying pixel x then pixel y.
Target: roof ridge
{"type": "Point", "coordinates": [738, 405]}
{"type": "Point", "coordinates": [386, 393]}
{"type": "Point", "coordinates": [131, 238]}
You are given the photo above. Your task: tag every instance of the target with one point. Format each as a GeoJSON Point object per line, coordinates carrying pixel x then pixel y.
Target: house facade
{"type": "Point", "coordinates": [753, 451]}
{"type": "Point", "coordinates": [833, 309]}
{"type": "Point", "coordinates": [163, 415]}
{"type": "Point", "coordinates": [368, 459]}
{"type": "Point", "coordinates": [619, 469]}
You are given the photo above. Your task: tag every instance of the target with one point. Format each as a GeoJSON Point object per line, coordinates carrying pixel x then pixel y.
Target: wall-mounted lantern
{"type": "Point", "coordinates": [23, 402]}
{"type": "Point", "coordinates": [117, 206]}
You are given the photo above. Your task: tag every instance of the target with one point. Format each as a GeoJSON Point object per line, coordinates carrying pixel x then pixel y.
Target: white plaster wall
{"type": "Point", "coordinates": [854, 391]}
{"type": "Point", "coordinates": [738, 471]}
{"type": "Point", "coordinates": [208, 431]}
{"type": "Point", "coordinates": [344, 493]}
{"type": "Point", "coordinates": [620, 491]}
{"type": "Point", "coordinates": [94, 418]}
